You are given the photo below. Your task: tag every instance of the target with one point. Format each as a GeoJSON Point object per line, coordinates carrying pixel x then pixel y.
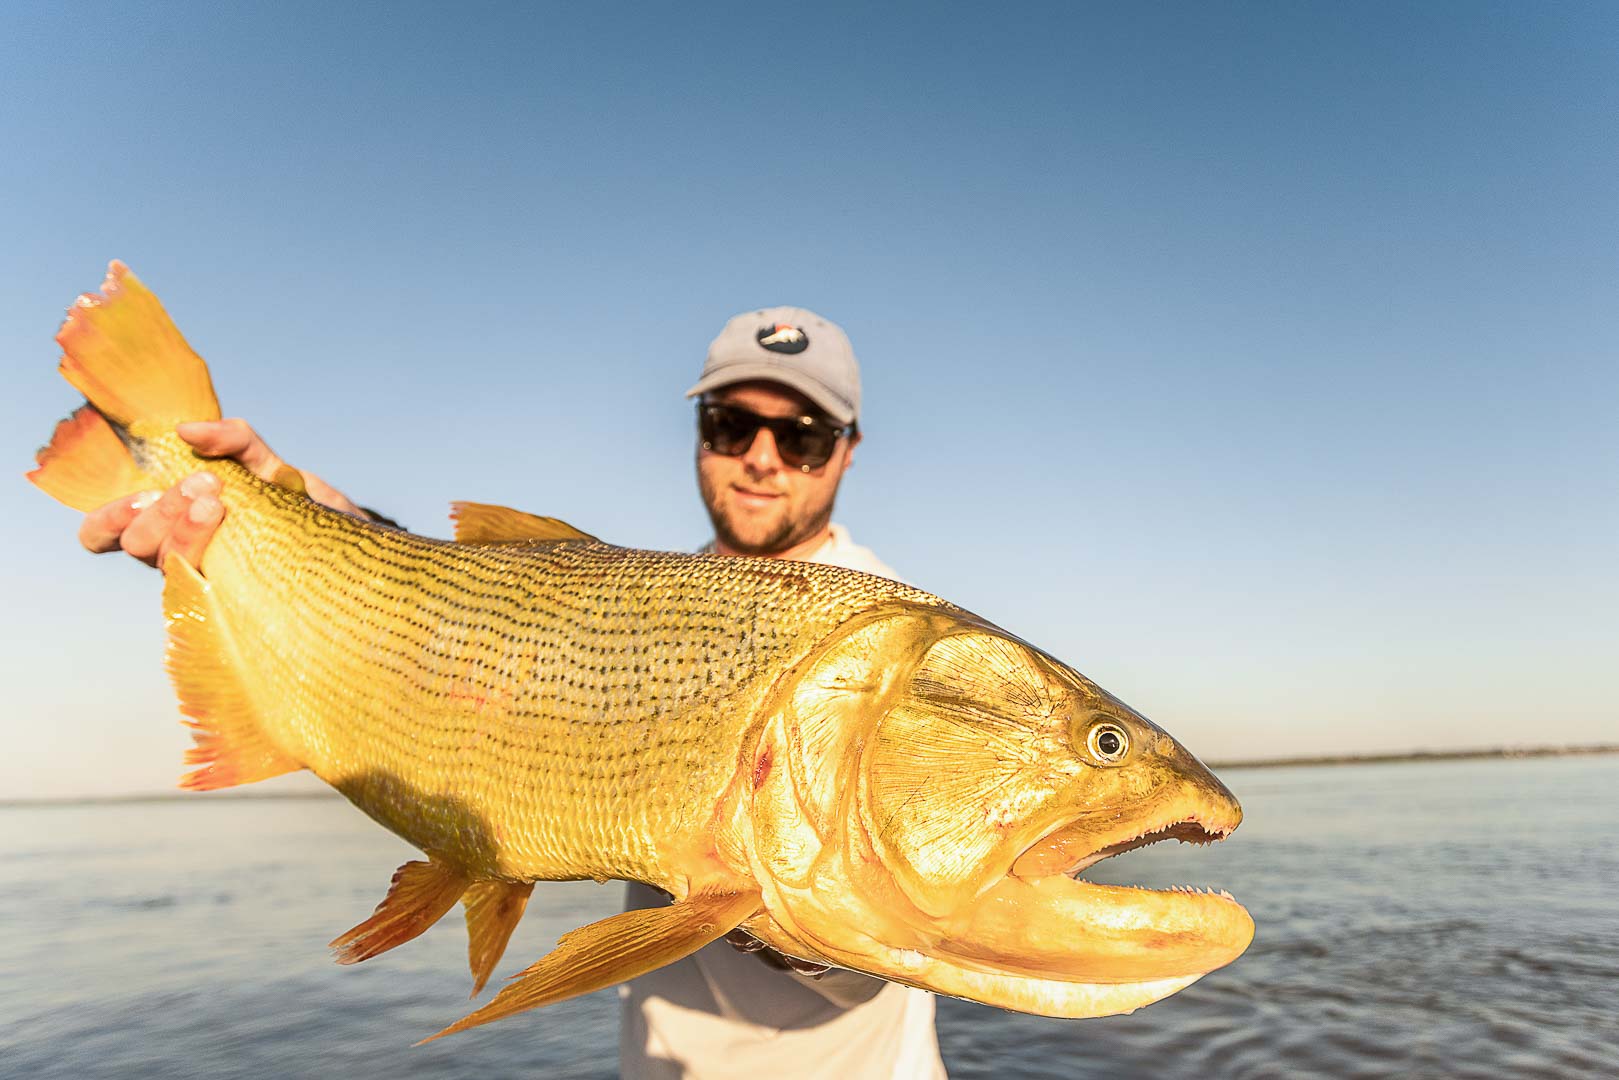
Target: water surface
{"type": "Point", "coordinates": [1443, 919]}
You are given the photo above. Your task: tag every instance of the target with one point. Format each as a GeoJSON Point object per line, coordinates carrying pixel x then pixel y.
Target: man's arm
{"type": "Point", "coordinates": [183, 519]}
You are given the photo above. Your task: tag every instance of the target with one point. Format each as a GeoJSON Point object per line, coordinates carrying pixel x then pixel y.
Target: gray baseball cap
{"type": "Point", "coordinates": [791, 346]}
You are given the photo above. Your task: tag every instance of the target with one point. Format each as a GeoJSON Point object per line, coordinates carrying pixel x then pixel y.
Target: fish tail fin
{"type": "Point", "coordinates": [86, 464]}
{"type": "Point", "coordinates": [203, 660]}
{"type": "Point", "coordinates": [620, 947]}
{"type": "Point", "coordinates": [120, 350]}
{"type": "Point", "coordinates": [418, 896]}
{"type": "Point", "coordinates": [125, 355]}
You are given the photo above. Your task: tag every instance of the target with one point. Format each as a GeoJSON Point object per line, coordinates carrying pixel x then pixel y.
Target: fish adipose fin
{"type": "Point", "coordinates": [203, 659]}
{"type": "Point", "coordinates": [418, 896]}
{"type": "Point", "coordinates": [616, 949]}
{"type": "Point", "coordinates": [484, 523]}
{"type": "Point", "coordinates": [493, 910]}
{"type": "Point", "coordinates": [86, 463]}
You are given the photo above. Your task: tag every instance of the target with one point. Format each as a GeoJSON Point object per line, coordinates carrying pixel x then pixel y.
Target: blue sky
{"type": "Point", "coordinates": [1257, 359]}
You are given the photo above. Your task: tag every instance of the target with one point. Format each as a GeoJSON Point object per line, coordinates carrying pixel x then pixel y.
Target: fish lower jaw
{"type": "Point", "coordinates": [1047, 997]}
{"type": "Point", "coordinates": [1062, 930]}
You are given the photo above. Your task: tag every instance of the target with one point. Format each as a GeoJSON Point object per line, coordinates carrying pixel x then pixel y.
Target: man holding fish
{"type": "Point", "coordinates": [778, 422]}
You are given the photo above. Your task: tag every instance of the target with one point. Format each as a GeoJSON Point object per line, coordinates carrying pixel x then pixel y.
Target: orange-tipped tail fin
{"type": "Point", "coordinates": [123, 353]}
{"type": "Point", "coordinates": [418, 896]}
{"type": "Point", "coordinates": [617, 948]}
{"type": "Point", "coordinates": [86, 464]}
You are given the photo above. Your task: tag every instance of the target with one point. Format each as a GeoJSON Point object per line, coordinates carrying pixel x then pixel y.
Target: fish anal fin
{"type": "Point", "coordinates": [493, 909]}
{"type": "Point", "coordinates": [203, 661]}
{"type": "Point", "coordinates": [618, 948]}
{"type": "Point", "coordinates": [418, 896]}
{"type": "Point", "coordinates": [123, 352]}
{"type": "Point", "coordinates": [484, 523]}
{"type": "Point", "coordinates": [86, 464]}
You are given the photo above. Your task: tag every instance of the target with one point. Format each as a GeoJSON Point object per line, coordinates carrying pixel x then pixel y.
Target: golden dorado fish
{"type": "Point", "coordinates": [854, 771]}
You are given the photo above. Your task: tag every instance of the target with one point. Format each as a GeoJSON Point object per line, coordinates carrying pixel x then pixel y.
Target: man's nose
{"type": "Point", "coordinates": [762, 456]}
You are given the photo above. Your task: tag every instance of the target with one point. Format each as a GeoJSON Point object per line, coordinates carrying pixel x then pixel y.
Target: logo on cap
{"type": "Point", "coordinates": [783, 338]}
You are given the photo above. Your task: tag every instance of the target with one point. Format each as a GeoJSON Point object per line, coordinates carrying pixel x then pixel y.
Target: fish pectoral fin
{"type": "Point", "coordinates": [493, 909]}
{"type": "Point", "coordinates": [204, 661]}
{"type": "Point", "coordinates": [418, 896]}
{"type": "Point", "coordinates": [614, 950]}
{"type": "Point", "coordinates": [484, 523]}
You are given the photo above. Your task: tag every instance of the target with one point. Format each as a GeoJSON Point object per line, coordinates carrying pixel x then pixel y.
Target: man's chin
{"type": "Point", "coordinates": [764, 549]}
{"type": "Point", "coordinates": [753, 537]}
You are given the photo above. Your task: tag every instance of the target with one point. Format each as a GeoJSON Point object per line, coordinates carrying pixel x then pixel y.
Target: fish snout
{"type": "Point", "coordinates": [1208, 801]}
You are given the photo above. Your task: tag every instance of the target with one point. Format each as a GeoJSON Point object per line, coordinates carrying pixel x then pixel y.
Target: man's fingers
{"type": "Point", "coordinates": [235, 438]}
{"type": "Point", "coordinates": [102, 527]}
{"type": "Point", "coordinates": [147, 537]}
{"type": "Point", "coordinates": [232, 438]}
{"type": "Point", "coordinates": [216, 438]}
{"type": "Point", "coordinates": [195, 528]}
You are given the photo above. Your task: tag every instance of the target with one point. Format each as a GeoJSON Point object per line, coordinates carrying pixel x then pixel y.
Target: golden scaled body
{"type": "Point", "coordinates": [852, 770]}
{"type": "Point", "coordinates": [525, 710]}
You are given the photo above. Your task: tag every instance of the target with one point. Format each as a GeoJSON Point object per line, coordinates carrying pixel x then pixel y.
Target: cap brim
{"type": "Point", "coordinates": [747, 371]}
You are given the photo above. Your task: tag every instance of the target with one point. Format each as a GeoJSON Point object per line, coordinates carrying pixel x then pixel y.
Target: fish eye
{"type": "Point", "coordinates": [1108, 743]}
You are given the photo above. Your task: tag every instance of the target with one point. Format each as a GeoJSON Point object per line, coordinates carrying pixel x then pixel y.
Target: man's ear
{"type": "Point", "coordinates": [854, 441]}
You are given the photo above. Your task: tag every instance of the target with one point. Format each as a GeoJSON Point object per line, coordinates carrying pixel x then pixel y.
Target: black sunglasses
{"type": "Point", "coordinates": [804, 442]}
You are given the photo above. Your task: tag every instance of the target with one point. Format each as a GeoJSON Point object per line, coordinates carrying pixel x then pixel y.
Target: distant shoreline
{"type": "Point", "coordinates": [1403, 757]}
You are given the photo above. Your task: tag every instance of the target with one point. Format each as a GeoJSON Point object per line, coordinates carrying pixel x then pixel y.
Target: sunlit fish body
{"type": "Point", "coordinates": [854, 771]}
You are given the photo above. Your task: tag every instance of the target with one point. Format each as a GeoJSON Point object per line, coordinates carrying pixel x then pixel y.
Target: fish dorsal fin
{"type": "Point", "coordinates": [485, 523]}
{"type": "Point", "coordinates": [618, 948]}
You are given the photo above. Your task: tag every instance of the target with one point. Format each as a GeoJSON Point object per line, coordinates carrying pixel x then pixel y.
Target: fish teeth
{"type": "Point", "coordinates": [1199, 890]}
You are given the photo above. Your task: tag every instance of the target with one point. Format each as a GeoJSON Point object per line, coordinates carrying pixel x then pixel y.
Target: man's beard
{"type": "Point", "coordinates": [780, 537]}
{"type": "Point", "coordinates": [784, 534]}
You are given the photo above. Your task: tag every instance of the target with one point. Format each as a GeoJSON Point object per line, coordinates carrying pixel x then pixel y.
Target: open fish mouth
{"type": "Point", "coordinates": [1072, 849]}
{"type": "Point", "coordinates": [1057, 944]}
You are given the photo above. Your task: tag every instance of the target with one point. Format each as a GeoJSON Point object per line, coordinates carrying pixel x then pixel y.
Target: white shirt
{"type": "Point", "coordinates": [721, 1014]}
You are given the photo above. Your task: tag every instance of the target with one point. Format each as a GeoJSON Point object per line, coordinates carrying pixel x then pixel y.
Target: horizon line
{"type": "Point", "coordinates": [1393, 757]}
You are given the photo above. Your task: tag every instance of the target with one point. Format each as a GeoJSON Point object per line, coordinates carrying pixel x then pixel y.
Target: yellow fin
{"type": "Point", "coordinates": [617, 948]}
{"type": "Point", "coordinates": [291, 479]}
{"type": "Point", "coordinates": [418, 896]}
{"type": "Point", "coordinates": [483, 523]}
{"type": "Point", "coordinates": [203, 661]}
{"type": "Point", "coordinates": [123, 352]}
{"type": "Point", "coordinates": [86, 464]}
{"type": "Point", "coordinates": [493, 909]}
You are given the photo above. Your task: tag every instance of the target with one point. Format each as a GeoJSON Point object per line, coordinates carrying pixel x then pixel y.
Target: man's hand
{"type": "Point", "coordinates": [183, 519]}
{"type": "Point", "coordinates": [153, 523]}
